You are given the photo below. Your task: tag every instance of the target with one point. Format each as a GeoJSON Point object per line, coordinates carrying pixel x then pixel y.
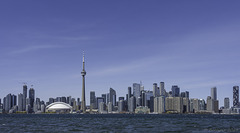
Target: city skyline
{"type": "Point", "coordinates": [193, 45]}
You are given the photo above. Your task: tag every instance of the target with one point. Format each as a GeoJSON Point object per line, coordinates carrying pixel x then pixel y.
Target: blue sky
{"type": "Point", "coordinates": [192, 44]}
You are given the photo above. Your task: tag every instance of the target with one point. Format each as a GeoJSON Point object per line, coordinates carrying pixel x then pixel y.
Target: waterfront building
{"type": "Point", "coordinates": [31, 96]}
{"type": "Point", "coordinates": [185, 94]}
{"type": "Point", "coordinates": [186, 106]}
{"type": "Point", "coordinates": [226, 103]}
{"type": "Point", "coordinates": [162, 90]}
{"type": "Point", "coordinates": [105, 98]}
{"type": "Point", "coordinates": [38, 103]}
{"type": "Point", "coordinates": [74, 104]}
{"type": "Point", "coordinates": [42, 108]}
{"type": "Point", "coordinates": [51, 100]}
{"type": "Point", "coordinates": [196, 105]}
{"type": "Point", "coordinates": [175, 91]}
{"type": "Point", "coordinates": [151, 104]}
{"type": "Point", "coordinates": [142, 110]}
{"type": "Point", "coordinates": [108, 98]}
{"type": "Point", "coordinates": [14, 100]}
{"type": "Point", "coordinates": [93, 100]}
{"type": "Point", "coordinates": [24, 97]}
{"type": "Point", "coordinates": [58, 99]}
{"type": "Point", "coordinates": [235, 96]}
{"type": "Point", "coordinates": [110, 107]}
{"type": "Point", "coordinates": [136, 90]}
{"type": "Point", "coordinates": [59, 107]}
{"type": "Point", "coordinates": [202, 104]}
{"type": "Point", "coordinates": [69, 100]}
{"type": "Point", "coordinates": [216, 106]}
{"type": "Point", "coordinates": [64, 99]}
{"type": "Point", "coordinates": [132, 104]}
{"type": "Point", "coordinates": [214, 93]}
{"type": "Point", "coordinates": [155, 90]}
{"type": "Point", "coordinates": [129, 96]}
{"type": "Point", "coordinates": [210, 104]}
{"type": "Point", "coordinates": [112, 96]}
{"type": "Point", "coordinates": [83, 103]}
{"type": "Point", "coordinates": [8, 102]}
{"type": "Point", "coordinates": [174, 104]}
{"type": "Point", "coordinates": [159, 104]}
{"type": "Point", "coordinates": [120, 106]}
{"type": "Point", "coordinates": [101, 108]}
{"type": "Point", "coordinates": [143, 97]}
{"type": "Point", "coordinates": [20, 102]}
{"type": "Point", "coordinates": [99, 100]}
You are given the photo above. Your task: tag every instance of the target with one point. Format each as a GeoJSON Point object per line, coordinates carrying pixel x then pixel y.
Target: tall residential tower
{"type": "Point", "coordinates": [83, 103]}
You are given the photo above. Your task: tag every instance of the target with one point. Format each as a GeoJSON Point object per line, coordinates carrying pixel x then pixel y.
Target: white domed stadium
{"type": "Point", "coordinates": [59, 107]}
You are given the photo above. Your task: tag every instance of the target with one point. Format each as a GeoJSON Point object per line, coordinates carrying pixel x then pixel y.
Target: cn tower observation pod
{"type": "Point", "coordinates": [59, 107]}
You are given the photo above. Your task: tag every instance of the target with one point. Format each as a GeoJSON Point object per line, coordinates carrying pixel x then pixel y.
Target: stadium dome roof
{"type": "Point", "coordinates": [59, 106]}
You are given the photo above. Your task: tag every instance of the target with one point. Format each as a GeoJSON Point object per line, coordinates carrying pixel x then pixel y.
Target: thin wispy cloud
{"type": "Point", "coordinates": [34, 48]}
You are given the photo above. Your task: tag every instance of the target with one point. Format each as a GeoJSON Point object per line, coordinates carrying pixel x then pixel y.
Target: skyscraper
{"type": "Point", "coordinates": [112, 96]}
{"type": "Point", "coordinates": [175, 91]}
{"type": "Point", "coordinates": [136, 90]}
{"type": "Point", "coordinates": [214, 93]}
{"type": "Point", "coordinates": [210, 104]}
{"type": "Point", "coordinates": [129, 96]}
{"type": "Point", "coordinates": [226, 103]}
{"type": "Point", "coordinates": [83, 103]}
{"type": "Point", "coordinates": [162, 89]}
{"type": "Point", "coordinates": [105, 98]}
{"type": "Point", "coordinates": [31, 96]}
{"type": "Point", "coordinates": [20, 102]}
{"type": "Point", "coordinates": [24, 97]}
{"type": "Point", "coordinates": [92, 100]}
{"type": "Point", "coordinates": [235, 96]}
{"type": "Point", "coordinates": [155, 90]}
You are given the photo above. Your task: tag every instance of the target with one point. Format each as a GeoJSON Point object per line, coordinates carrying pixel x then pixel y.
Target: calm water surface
{"type": "Point", "coordinates": [118, 123]}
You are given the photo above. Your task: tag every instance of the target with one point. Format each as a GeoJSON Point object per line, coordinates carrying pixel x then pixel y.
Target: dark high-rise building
{"type": "Point", "coordinates": [136, 90]}
{"type": "Point", "coordinates": [112, 96]}
{"type": "Point", "coordinates": [144, 100]}
{"type": "Point", "coordinates": [155, 90]}
{"type": "Point", "coordinates": [162, 89]}
{"type": "Point", "coordinates": [99, 100]}
{"type": "Point", "coordinates": [51, 100]}
{"type": "Point", "coordinates": [132, 104]}
{"type": "Point", "coordinates": [24, 97]}
{"type": "Point", "coordinates": [214, 93]}
{"type": "Point", "coordinates": [121, 98]}
{"type": "Point", "coordinates": [226, 103]}
{"type": "Point", "coordinates": [31, 96]}
{"type": "Point", "coordinates": [185, 94]}
{"type": "Point", "coordinates": [0, 101]}
{"type": "Point", "coordinates": [92, 100]}
{"type": "Point", "coordinates": [64, 99]}
{"type": "Point", "coordinates": [83, 103]}
{"type": "Point", "coordinates": [175, 91]}
{"type": "Point", "coordinates": [69, 100]}
{"type": "Point", "coordinates": [7, 103]}
{"type": "Point", "coordinates": [105, 98]}
{"type": "Point", "coordinates": [129, 96]}
{"type": "Point", "coordinates": [20, 102]}
{"type": "Point", "coordinates": [14, 100]}
{"type": "Point", "coordinates": [129, 92]}
{"type": "Point", "coordinates": [235, 96]}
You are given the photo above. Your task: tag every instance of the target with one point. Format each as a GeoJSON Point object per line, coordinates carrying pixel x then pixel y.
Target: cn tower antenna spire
{"type": "Point", "coordinates": [83, 61]}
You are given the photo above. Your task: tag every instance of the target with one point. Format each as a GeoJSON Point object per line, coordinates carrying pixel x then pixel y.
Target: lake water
{"type": "Point", "coordinates": [118, 123]}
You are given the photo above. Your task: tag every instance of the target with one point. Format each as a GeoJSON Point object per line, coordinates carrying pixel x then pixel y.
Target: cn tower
{"type": "Point", "coordinates": [83, 103]}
